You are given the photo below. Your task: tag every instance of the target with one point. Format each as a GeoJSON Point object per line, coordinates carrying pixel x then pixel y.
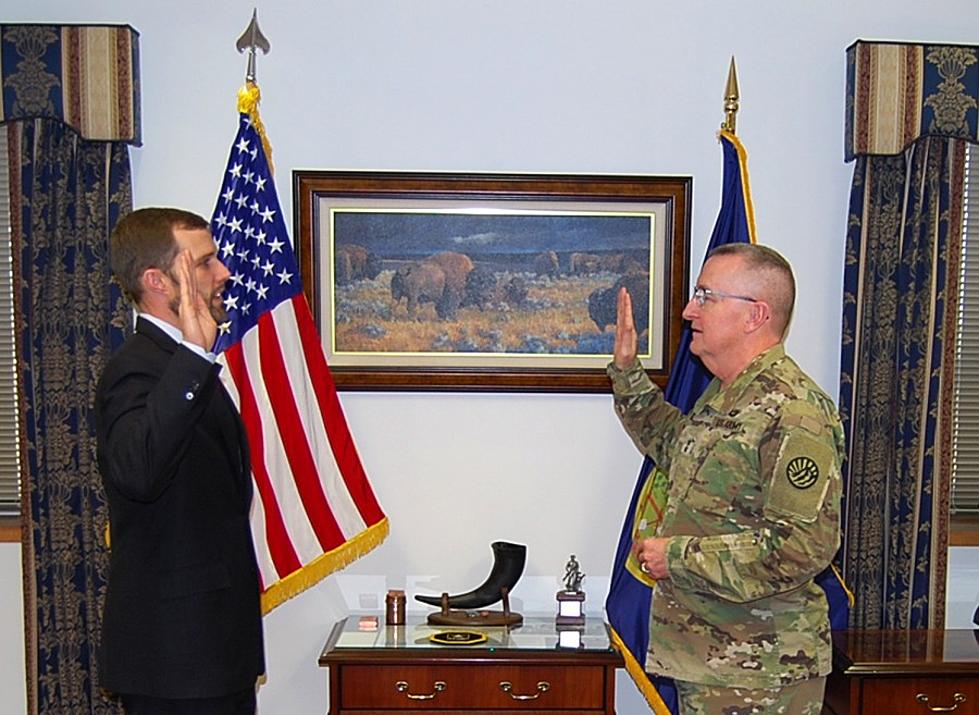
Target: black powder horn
{"type": "Point", "coordinates": [508, 564]}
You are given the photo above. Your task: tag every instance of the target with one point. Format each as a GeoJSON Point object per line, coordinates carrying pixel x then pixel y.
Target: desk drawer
{"type": "Point", "coordinates": [437, 687]}
{"type": "Point", "coordinates": [900, 695]}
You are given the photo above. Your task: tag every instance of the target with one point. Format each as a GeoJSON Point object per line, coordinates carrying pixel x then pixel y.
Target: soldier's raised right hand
{"type": "Point", "coordinates": [625, 331]}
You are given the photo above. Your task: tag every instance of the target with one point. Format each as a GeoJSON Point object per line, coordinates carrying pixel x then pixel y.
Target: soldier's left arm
{"type": "Point", "coordinates": [799, 463]}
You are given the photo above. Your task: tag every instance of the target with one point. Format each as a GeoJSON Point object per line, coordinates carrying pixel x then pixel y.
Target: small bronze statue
{"type": "Point", "coordinates": [573, 576]}
{"type": "Point", "coordinates": [571, 600]}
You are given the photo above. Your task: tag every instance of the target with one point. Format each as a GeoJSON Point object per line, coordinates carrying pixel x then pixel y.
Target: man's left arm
{"type": "Point", "coordinates": [800, 530]}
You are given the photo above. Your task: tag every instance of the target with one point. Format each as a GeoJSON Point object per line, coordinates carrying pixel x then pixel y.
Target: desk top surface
{"type": "Point", "coordinates": [536, 633]}
{"type": "Point", "coordinates": [880, 651]}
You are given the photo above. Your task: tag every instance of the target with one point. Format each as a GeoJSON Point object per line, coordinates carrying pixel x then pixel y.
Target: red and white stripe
{"type": "Point", "coordinates": [312, 494]}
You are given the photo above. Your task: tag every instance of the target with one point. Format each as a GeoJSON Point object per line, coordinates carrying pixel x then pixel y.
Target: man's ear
{"type": "Point", "coordinates": [154, 281]}
{"type": "Point", "coordinates": [759, 315]}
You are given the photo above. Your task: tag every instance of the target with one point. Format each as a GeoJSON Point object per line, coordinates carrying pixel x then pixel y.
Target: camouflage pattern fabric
{"type": "Point", "coordinates": [753, 512]}
{"type": "Point", "coordinates": [803, 698]}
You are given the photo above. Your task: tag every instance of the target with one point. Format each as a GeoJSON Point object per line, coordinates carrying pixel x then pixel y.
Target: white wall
{"type": "Point", "coordinates": [962, 598]}
{"type": "Point", "coordinates": [13, 696]}
{"type": "Point", "coordinates": [610, 86]}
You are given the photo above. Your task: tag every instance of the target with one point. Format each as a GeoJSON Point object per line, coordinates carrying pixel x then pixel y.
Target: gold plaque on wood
{"type": "Point", "coordinates": [458, 637]}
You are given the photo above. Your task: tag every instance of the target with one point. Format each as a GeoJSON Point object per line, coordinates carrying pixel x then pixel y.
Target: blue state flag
{"type": "Point", "coordinates": [630, 591]}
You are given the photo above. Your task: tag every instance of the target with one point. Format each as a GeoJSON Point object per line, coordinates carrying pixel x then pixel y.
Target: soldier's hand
{"type": "Point", "coordinates": [651, 554]}
{"type": "Point", "coordinates": [196, 322]}
{"type": "Point", "coordinates": [625, 331]}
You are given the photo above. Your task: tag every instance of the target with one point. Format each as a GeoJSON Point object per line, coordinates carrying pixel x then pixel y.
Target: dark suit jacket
{"type": "Point", "coordinates": [182, 614]}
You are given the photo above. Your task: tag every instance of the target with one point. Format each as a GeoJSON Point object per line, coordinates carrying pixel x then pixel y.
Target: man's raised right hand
{"type": "Point", "coordinates": [625, 331]}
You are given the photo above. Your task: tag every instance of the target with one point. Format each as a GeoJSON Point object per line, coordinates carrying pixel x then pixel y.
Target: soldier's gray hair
{"type": "Point", "coordinates": [767, 269]}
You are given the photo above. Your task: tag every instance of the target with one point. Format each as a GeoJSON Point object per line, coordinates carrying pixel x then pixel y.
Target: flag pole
{"type": "Point", "coordinates": [314, 510]}
{"type": "Point", "coordinates": [731, 99]}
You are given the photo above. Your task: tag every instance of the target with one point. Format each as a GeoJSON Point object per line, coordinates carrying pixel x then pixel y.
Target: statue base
{"type": "Point", "coordinates": [570, 612]}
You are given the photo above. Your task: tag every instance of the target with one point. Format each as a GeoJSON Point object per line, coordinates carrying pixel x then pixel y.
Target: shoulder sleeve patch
{"type": "Point", "coordinates": [801, 477]}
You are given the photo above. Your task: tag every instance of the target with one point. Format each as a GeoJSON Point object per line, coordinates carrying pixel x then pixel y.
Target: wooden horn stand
{"type": "Point", "coordinates": [449, 617]}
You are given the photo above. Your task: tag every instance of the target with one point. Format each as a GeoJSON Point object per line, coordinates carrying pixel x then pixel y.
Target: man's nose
{"type": "Point", "coordinates": [691, 309]}
{"type": "Point", "coordinates": [223, 273]}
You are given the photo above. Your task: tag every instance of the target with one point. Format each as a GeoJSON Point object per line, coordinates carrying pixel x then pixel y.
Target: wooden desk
{"type": "Point", "coordinates": [904, 672]}
{"type": "Point", "coordinates": [520, 670]}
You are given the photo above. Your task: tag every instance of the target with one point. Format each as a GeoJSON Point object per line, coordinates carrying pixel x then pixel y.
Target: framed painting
{"type": "Point", "coordinates": [437, 281]}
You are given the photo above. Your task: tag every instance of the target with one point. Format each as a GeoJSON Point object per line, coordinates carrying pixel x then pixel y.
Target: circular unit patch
{"type": "Point", "coordinates": [802, 472]}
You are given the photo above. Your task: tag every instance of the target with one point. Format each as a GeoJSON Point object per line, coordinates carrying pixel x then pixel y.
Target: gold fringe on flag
{"type": "Point", "coordinates": [846, 589]}
{"type": "Point", "coordinates": [749, 206]}
{"type": "Point", "coordinates": [323, 565]}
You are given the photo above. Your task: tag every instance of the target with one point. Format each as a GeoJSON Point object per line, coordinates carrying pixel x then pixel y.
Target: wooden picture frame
{"type": "Point", "coordinates": [540, 255]}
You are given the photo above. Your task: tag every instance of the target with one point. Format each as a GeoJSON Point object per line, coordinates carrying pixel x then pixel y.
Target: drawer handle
{"type": "Point", "coordinates": [957, 700]}
{"type": "Point", "coordinates": [402, 687]}
{"type": "Point", "coordinates": [542, 687]}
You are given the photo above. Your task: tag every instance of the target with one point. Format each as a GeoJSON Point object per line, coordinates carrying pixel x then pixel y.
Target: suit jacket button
{"type": "Point", "coordinates": [192, 391]}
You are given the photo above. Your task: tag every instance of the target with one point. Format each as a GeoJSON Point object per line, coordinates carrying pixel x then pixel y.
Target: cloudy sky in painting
{"type": "Point", "coordinates": [403, 234]}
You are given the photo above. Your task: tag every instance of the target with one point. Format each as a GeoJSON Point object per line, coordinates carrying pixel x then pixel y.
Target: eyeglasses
{"type": "Point", "coordinates": [701, 294]}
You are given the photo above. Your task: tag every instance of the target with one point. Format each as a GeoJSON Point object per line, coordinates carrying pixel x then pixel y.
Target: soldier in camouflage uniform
{"type": "Point", "coordinates": [753, 507]}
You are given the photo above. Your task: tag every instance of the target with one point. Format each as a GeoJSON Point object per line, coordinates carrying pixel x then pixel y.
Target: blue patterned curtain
{"type": "Point", "coordinates": [911, 110]}
{"type": "Point", "coordinates": [67, 191]}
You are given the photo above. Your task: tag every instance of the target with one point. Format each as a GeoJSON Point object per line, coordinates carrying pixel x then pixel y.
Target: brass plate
{"type": "Point", "coordinates": [458, 637]}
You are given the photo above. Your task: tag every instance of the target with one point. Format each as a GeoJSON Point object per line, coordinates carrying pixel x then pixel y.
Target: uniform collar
{"type": "Point", "coordinates": [723, 399]}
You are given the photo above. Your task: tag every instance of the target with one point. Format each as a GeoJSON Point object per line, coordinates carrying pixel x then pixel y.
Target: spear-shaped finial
{"type": "Point", "coordinates": [731, 97]}
{"type": "Point", "coordinates": [250, 40]}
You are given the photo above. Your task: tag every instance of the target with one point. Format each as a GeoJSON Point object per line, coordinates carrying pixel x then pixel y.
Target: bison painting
{"type": "Point", "coordinates": [355, 262]}
{"type": "Point", "coordinates": [439, 279]}
{"type": "Point", "coordinates": [602, 301]}
{"type": "Point", "coordinates": [620, 263]}
{"type": "Point", "coordinates": [546, 264]}
{"type": "Point", "coordinates": [481, 290]}
{"type": "Point", "coordinates": [418, 282]}
{"type": "Point", "coordinates": [583, 263]}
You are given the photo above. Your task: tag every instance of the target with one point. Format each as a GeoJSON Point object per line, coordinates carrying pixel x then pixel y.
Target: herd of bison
{"type": "Point", "coordinates": [574, 294]}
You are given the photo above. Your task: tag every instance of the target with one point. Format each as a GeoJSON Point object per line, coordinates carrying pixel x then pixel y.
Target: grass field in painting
{"type": "Point", "coordinates": [552, 318]}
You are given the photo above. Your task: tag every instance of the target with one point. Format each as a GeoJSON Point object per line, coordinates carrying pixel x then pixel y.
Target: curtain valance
{"type": "Point", "coordinates": [86, 76]}
{"type": "Point", "coordinates": [899, 92]}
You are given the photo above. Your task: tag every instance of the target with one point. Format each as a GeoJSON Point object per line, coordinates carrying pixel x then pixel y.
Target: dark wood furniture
{"type": "Point", "coordinates": [517, 670]}
{"type": "Point", "coordinates": [904, 672]}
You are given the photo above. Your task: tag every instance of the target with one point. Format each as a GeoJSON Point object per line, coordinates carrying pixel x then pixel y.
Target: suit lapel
{"type": "Point", "coordinates": [220, 419]}
{"type": "Point", "coordinates": [235, 442]}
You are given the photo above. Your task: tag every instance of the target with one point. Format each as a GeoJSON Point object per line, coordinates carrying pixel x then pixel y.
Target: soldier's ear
{"type": "Point", "coordinates": [759, 315]}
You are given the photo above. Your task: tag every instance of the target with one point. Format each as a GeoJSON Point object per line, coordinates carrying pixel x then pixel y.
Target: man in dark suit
{"type": "Point", "coordinates": [182, 630]}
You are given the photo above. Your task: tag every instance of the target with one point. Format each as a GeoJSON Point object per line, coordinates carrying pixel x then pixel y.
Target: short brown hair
{"type": "Point", "coordinates": [769, 268]}
{"type": "Point", "coordinates": [144, 239]}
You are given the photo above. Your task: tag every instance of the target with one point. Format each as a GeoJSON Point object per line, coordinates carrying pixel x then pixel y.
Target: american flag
{"type": "Point", "coordinates": [314, 510]}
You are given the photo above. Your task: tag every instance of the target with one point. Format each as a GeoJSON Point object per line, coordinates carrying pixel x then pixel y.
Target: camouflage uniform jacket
{"type": "Point", "coordinates": [753, 515]}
